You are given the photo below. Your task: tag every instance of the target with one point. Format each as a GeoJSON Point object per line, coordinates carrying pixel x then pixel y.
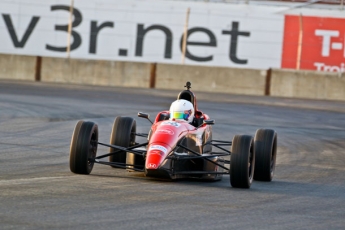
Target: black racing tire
{"type": "Point", "coordinates": [122, 134]}
{"type": "Point", "coordinates": [83, 147]}
{"type": "Point", "coordinates": [265, 143]}
{"type": "Point", "coordinates": [242, 161]}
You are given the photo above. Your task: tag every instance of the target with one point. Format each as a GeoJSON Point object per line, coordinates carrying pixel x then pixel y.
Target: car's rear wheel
{"type": "Point", "coordinates": [83, 147]}
{"type": "Point", "coordinates": [242, 161]}
{"type": "Point", "coordinates": [123, 134]}
{"type": "Point", "coordinates": [265, 143]}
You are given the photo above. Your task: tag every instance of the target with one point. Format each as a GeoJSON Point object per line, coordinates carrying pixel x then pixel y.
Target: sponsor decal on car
{"type": "Point", "coordinates": [165, 131]}
{"type": "Point", "coordinates": [172, 123]}
{"type": "Point", "coordinates": [158, 152]}
{"type": "Point", "coordinates": [151, 166]}
{"type": "Point", "coordinates": [158, 147]}
{"type": "Point", "coordinates": [198, 140]}
{"type": "Point", "coordinates": [207, 132]}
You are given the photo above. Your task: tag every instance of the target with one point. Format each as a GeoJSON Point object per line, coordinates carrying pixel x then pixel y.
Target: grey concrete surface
{"type": "Point", "coordinates": [95, 72]}
{"type": "Point", "coordinates": [307, 84]}
{"type": "Point", "coordinates": [38, 191]}
{"type": "Point", "coordinates": [212, 79]}
{"type": "Point", "coordinates": [17, 67]}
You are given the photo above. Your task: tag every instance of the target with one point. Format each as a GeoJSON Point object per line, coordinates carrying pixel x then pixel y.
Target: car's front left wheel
{"type": "Point", "coordinates": [242, 161]}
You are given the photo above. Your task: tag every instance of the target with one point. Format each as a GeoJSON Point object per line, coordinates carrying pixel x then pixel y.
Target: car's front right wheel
{"type": "Point", "coordinates": [83, 147]}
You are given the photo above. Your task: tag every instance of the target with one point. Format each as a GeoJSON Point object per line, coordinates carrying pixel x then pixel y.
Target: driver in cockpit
{"type": "Point", "coordinates": [182, 110]}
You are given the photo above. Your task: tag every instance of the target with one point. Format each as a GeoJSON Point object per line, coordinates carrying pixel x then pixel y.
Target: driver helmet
{"type": "Point", "coordinates": [182, 110]}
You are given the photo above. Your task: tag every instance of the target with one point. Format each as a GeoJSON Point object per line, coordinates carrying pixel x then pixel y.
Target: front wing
{"type": "Point", "coordinates": [175, 164]}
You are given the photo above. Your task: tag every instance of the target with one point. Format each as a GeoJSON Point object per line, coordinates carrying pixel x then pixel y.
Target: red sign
{"type": "Point", "coordinates": [322, 47]}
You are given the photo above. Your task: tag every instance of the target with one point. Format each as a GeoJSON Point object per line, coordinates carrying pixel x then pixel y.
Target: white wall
{"type": "Point", "coordinates": [257, 43]}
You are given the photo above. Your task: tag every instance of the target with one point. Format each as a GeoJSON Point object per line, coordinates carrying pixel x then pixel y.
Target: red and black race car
{"type": "Point", "coordinates": [177, 149]}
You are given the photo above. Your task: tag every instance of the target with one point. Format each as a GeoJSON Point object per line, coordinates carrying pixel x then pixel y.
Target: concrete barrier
{"type": "Point", "coordinates": [212, 79]}
{"type": "Point", "coordinates": [17, 67]}
{"type": "Point", "coordinates": [307, 84]}
{"type": "Point", "coordinates": [275, 82]}
{"type": "Point", "coordinates": [95, 72]}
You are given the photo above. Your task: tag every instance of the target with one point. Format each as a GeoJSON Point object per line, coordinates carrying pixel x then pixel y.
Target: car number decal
{"type": "Point", "coordinates": [172, 123]}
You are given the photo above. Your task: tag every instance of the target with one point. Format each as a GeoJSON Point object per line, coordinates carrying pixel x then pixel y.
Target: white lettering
{"type": "Point", "coordinates": [319, 66]}
{"type": "Point", "coordinates": [328, 68]}
{"type": "Point", "coordinates": [337, 45]}
{"type": "Point", "coordinates": [172, 123]}
{"type": "Point", "coordinates": [158, 147]}
{"type": "Point", "coordinates": [151, 166]}
{"type": "Point", "coordinates": [326, 40]}
{"type": "Point", "coordinates": [149, 36]}
{"type": "Point", "coordinates": [335, 69]}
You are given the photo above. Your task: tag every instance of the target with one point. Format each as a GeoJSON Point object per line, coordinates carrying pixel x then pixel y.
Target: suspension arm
{"type": "Point", "coordinates": [120, 165]}
{"type": "Point", "coordinates": [120, 148]}
{"type": "Point", "coordinates": [195, 153]}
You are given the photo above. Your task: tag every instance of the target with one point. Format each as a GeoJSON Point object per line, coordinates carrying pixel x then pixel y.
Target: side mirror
{"type": "Point", "coordinates": [208, 122]}
{"type": "Point", "coordinates": [143, 115]}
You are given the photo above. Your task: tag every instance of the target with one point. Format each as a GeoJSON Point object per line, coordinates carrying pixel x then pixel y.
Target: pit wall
{"type": "Point", "coordinates": [272, 82]}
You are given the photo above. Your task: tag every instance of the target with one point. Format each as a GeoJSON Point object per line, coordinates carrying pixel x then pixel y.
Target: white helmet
{"type": "Point", "coordinates": [182, 109]}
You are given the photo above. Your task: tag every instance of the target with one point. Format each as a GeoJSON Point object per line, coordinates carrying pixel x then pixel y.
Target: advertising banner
{"type": "Point", "coordinates": [322, 45]}
{"type": "Point", "coordinates": [228, 35]}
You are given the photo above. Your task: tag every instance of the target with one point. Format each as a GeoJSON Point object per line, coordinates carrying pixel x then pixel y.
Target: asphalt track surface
{"type": "Point", "coordinates": [38, 191]}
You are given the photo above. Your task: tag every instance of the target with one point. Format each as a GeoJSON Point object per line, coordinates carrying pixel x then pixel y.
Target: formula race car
{"type": "Point", "coordinates": [179, 145]}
